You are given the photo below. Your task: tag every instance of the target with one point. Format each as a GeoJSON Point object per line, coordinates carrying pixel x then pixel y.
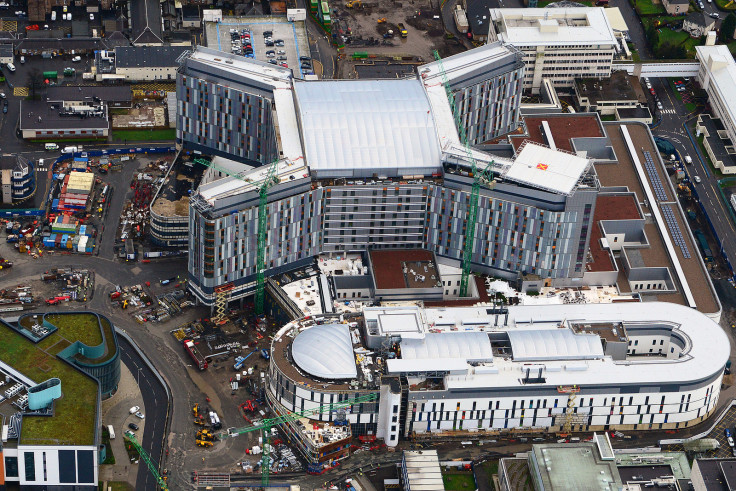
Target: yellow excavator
{"type": "Point", "coordinates": [204, 443]}
{"type": "Point", "coordinates": [195, 410]}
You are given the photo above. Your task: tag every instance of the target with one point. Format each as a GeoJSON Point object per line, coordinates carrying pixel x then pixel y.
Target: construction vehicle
{"type": "Point", "coordinates": [267, 424]}
{"type": "Point", "coordinates": [205, 435]}
{"type": "Point", "coordinates": [479, 176]}
{"type": "Point", "coordinates": [354, 4]}
{"type": "Point", "coordinates": [194, 353]}
{"type": "Point", "coordinates": [204, 443]}
{"type": "Point", "coordinates": [160, 480]}
{"type": "Point", "coordinates": [382, 20]}
{"type": "Point", "coordinates": [263, 186]}
{"type": "Point", "coordinates": [199, 422]}
{"type": "Point", "coordinates": [402, 30]}
{"type": "Point", "coordinates": [195, 410]}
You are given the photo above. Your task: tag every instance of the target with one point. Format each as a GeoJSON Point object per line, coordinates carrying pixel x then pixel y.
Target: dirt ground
{"type": "Point", "coordinates": [359, 28]}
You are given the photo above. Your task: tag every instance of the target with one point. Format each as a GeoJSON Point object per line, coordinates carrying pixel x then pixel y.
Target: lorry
{"type": "Point", "coordinates": [194, 353]}
{"type": "Point", "coordinates": [402, 30]}
{"type": "Point", "coordinates": [461, 19]}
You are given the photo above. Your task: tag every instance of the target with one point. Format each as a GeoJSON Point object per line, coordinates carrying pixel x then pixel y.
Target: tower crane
{"type": "Point", "coordinates": [267, 424]}
{"type": "Point", "coordinates": [160, 480]}
{"type": "Point", "coordinates": [263, 185]}
{"type": "Point", "coordinates": [479, 176]}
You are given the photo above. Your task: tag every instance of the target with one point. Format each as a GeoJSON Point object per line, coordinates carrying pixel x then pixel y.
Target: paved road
{"type": "Point", "coordinates": [154, 400]}
{"type": "Point", "coordinates": [707, 191]}
{"type": "Point", "coordinates": [636, 28]}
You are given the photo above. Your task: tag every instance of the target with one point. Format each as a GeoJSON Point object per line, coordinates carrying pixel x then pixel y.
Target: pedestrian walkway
{"type": "Point", "coordinates": [668, 111]}
{"type": "Point", "coordinates": [20, 91]}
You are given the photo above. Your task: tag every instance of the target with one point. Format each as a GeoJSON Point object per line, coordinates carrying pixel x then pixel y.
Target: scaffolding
{"type": "Point", "coordinates": [572, 394]}
{"type": "Point", "coordinates": [222, 296]}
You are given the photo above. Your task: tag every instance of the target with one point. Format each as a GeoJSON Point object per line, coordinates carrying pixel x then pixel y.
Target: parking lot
{"type": "Point", "coordinates": [293, 34]}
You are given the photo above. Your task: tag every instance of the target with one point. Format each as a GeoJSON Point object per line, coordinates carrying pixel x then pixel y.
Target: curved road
{"type": "Point", "coordinates": [155, 405]}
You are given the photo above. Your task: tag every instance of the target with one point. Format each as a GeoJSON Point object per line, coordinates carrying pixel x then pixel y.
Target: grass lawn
{"type": "Point", "coordinates": [459, 481]}
{"type": "Point", "coordinates": [722, 5]}
{"type": "Point", "coordinates": [645, 7]}
{"type": "Point", "coordinates": [677, 38]}
{"type": "Point", "coordinates": [490, 467]}
{"type": "Point", "coordinates": [690, 107]}
{"type": "Point", "coordinates": [106, 441]}
{"type": "Point", "coordinates": [78, 327]}
{"type": "Point", "coordinates": [144, 135]}
{"type": "Point", "coordinates": [74, 413]}
{"type": "Point", "coordinates": [608, 117]}
{"type": "Point", "coordinates": [133, 455]}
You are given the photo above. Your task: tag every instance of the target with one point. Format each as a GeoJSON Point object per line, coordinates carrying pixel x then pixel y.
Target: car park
{"type": "Point", "coordinates": [279, 42]}
{"type": "Point", "coordinates": [133, 427]}
{"type": "Point", "coordinates": [267, 34]}
{"type": "Point", "coordinates": [281, 58]}
{"type": "Point", "coordinates": [281, 52]}
{"type": "Point", "coordinates": [273, 62]}
{"type": "Point", "coordinates": [284, 65]}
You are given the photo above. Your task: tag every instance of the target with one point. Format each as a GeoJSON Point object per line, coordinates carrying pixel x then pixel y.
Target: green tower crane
{"type": "Point", "coordinates": [263, 185]}
{"type": "Point", "coordinates": [267, 424]}
{"type": "Point", "coordinates": [161, 481]}
{"type": "Point", "coordinates": [479, 176]}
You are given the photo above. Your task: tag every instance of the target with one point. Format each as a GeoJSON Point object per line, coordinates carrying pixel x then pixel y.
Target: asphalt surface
{"type": "Point", "coordinates": [155, 403]}
{"type": "Point", "coordinates": [707, 190]}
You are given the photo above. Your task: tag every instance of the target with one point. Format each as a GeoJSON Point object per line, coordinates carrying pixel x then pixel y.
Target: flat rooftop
{"type": "Point", "coordinates": [719, 146]}
{"type": "Point", "coordinates": [39, 115]}
{"type": "Point", "coordinates": [720, 66]}
{"type": "Point", "coordinates": [75, 413]}
{"type": "Point", "coordinates": [107, 93]}
{"type": "Point", "coordinates": [405, 268]}
{"type": "Point", "coordinates": [608, 207]}
{"type": "Point", "coordinates": [718, 474]}
{"type": "Point", "coordinates": [623, 173]}
{"type": "Point", "coordinates": [541, 167]}
{"type": "Point", "coordinates": [575, 466]}
{"type": "Point", "coordinates": [549, 27]}
{"type": "Point", "coordinates": [619, 87]}
{"type": "Point", "coordinates": [564, 127]}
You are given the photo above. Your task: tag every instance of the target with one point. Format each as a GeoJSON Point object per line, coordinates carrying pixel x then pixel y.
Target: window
{"type": "Point", "coordinates": [30, 465]}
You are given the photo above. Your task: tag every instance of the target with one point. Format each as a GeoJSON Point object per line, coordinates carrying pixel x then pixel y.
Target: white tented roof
{"type": "Point", "coordinates": [361, 127]}
{"type": "Point", "coordinates": [468, 346]}
{"type": "Point", "coordinates": [544, 168]}
{"type": "Point", "coordinates": [554, 344]}
{"type": "Point", "coordinates": [325, 351]}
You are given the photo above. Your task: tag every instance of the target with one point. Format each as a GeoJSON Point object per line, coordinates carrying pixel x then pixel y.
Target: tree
{"type": "Point", "coordinates": [727, 28]}
{"type": "Point", "coordinates": [35, 82]}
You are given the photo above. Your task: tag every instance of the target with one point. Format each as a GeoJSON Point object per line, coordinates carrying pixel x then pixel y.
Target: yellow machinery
{"type": "Point", "coordinates": [382, 20]}
{"type": "Point", "coordinates": [195, 410]}
{"type": "Point", "coordinates": [572, 394]}
{"type": "Point", "coordinates": [204, 443]}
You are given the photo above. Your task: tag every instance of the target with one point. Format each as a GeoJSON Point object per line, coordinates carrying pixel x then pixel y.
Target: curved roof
{"type": "Point", "coordinates": [554, 344]}
{"type": "Point", "coordinates": [325, 351]}
{"type": "Point", "coordinates": [360, 127]}
{"type": "Point", "coordinates": [470, 346]}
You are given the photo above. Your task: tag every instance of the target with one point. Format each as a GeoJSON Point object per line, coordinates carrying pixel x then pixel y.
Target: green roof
{"type": "Point", "coordinates": [74, 416]}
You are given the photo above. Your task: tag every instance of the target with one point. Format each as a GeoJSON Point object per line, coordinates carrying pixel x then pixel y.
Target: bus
{"type": "Point", "coordinates": [324, 14]}
{"type": "Point", "coordinates": [314, 6]}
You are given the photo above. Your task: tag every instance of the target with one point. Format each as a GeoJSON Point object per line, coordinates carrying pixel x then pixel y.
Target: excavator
{"type": "Point", "coordinates": [195, 410]}
{"type": "Point", "coordinates": [204, 443]}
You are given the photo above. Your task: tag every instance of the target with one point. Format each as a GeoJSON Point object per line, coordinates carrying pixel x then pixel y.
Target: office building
{"type": "Point", "coordinates": [544, 368]}
{"type": "Point", "coordinates": [558, 44]}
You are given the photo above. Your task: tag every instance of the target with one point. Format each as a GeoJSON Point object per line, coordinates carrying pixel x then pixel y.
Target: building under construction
{"type": "Point", "coordinates": [376, 163]}
{"type": "Point", "coordinates": [475, 371]}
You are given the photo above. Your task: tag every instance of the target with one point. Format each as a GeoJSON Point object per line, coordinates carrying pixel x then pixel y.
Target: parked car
{"type": "Point", "coordinates": [273, 62]}
{"type": "Point", "coordinates": [133, 427]}
{"type": "Point", "coordinates": [129, 433]}
{"type": "Point", "coordinates": [134, 409]}
{"type": "Point", "coordinates": [140, 414]}
{"type": "Point", "coordinates": [279, 42]}
{"type": "Point", "coordinates": [281, 52]}
{"type": "Point", "coordinates": [651, 91]}
{"type": "Point", "coordinates": [659, 106]}
{"type": "Point", "coordinates": [281, 58]}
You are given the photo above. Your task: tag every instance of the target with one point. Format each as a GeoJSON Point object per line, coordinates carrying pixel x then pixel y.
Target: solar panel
{"type": "Point", "coordinates": [654, 176]}
{"type": "Point", "coordinates": [674, 228]}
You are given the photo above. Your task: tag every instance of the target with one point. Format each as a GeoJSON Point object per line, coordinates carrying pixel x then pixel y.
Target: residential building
{"type": "Point", "coordinates": [676, 7]}
{"type": "Point", "coordinates": [698, 24]}
{"type": "Point", "coordinates": [148, 62]}
{"type": "Point", "coordinates": [628, 366]}
{"type": "Point", "coordinates": [717, 75]}
{"type": "Point", "coordinates": [43, 401]}
{"type": "Point", "coordinates": [477, 15]}
{"type": "Point", "coordinates": [44, 120]}
{"type": "Point", "coordinates": [558, 44]}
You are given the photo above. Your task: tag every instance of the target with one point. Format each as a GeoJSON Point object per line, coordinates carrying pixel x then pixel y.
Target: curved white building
{"type": "Point", "coordinates": [627, 366]}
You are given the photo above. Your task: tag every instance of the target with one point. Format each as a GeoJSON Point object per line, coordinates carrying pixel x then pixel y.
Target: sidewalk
{"type": "Point", "coordinates": [116, 411]}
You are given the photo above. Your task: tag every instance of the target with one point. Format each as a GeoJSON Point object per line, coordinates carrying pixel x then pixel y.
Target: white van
{"type": "Point", "coordinates": [69, 149]}
{"type": "Point", "coordinates": [111, 432]}
{"type": "Point", "coordinates": [53, 15]}
{"type": "Point", "coordinates": [51, 146]}
{"type": "Point", "coordinates": [11, 67]}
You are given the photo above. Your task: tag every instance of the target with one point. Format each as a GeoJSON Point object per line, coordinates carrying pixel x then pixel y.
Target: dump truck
{"type": "Point", "coordinates": [402, 30]}
{"type": "Point", "coordinates": [199, 360]}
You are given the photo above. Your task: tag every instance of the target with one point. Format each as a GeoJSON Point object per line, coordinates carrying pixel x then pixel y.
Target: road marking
{"type": "Point", "coordinates": [20, 91]}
